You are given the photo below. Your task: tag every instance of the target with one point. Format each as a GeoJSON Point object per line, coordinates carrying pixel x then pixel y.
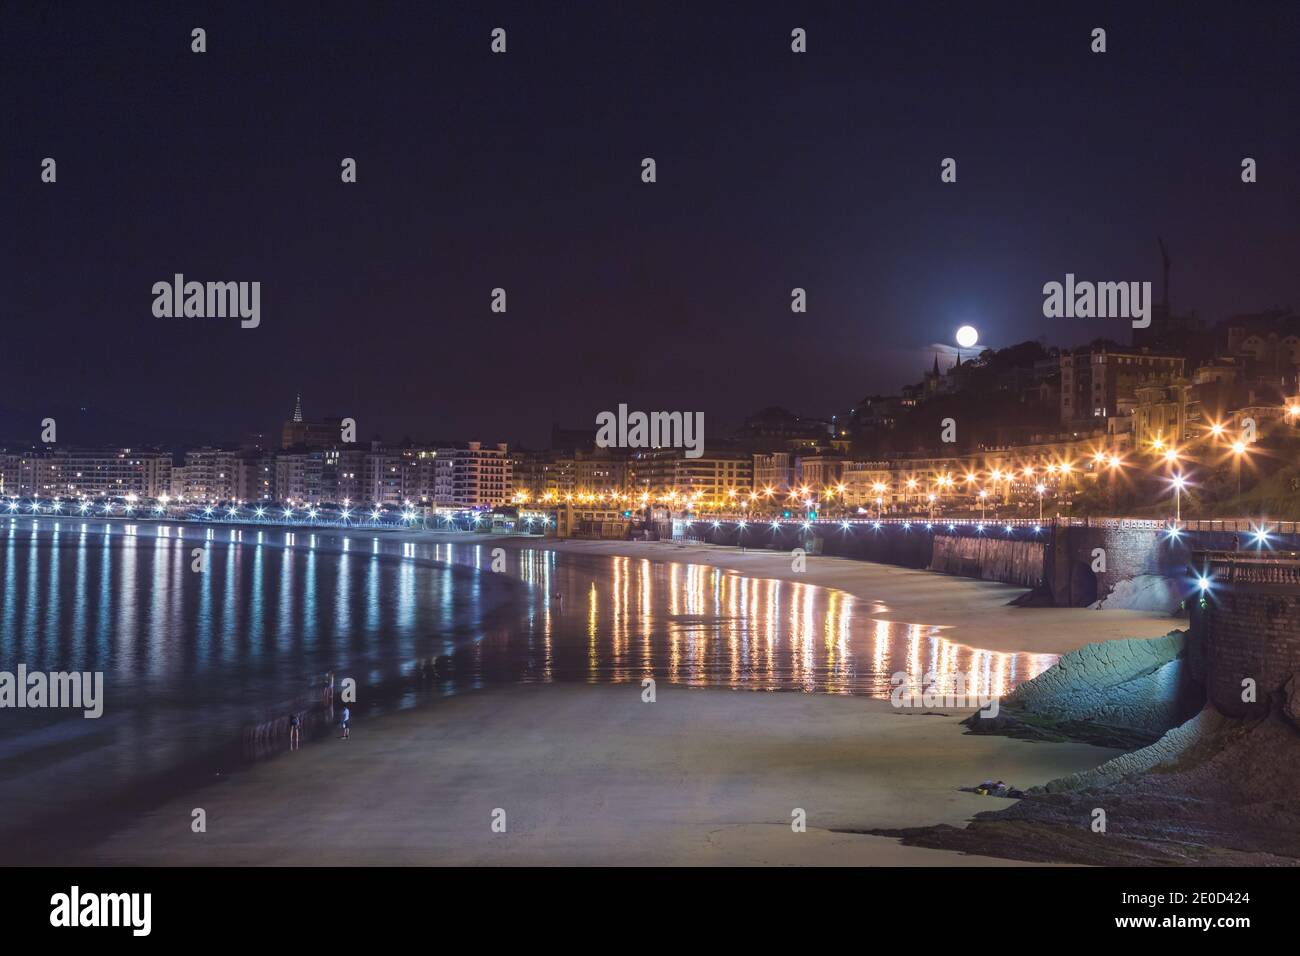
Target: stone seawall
{"type": "Point", "coordinates": [990, 559]}
{"type": "Point", "coordinates": [1134, 564]}
{"type": "Point", "coordinates": [889, 544]}
{"type": "Point", "coordinates": [1248, 622]}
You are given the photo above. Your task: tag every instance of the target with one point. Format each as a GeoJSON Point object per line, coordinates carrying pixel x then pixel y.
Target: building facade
{"type": "Point", "coordinates": [1100, 383]}
{"type": "Point", "coordinates": [472, 476]}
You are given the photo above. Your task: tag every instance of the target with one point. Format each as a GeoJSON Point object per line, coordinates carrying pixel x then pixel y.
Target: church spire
{"type": "Point", "coordinates": [297, 408]}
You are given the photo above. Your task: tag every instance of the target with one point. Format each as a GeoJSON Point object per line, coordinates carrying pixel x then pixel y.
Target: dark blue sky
{"type": "Point", "coordinates": [523, 171]}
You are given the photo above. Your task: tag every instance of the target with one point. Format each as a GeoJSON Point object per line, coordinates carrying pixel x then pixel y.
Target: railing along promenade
{"type": "Point", "coordinates": [1281, 568]}
{"type": "Point", "coordinates": [1230, 525]}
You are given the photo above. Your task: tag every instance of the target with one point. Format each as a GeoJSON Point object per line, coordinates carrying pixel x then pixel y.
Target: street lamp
{"type": "Point", "coordinates": [1041, 488]}
{"type": "Point", "coordinates": [1179, 481]}
{"type": "Point", "coordinates": [1238, 452]}
{"type": "Point", "coordinates": [1113, 462]}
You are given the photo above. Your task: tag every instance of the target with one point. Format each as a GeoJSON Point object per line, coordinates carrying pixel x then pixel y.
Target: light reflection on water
{"type": "Point", "coordinates": [278, 605]}
{"type": "Point", "coordinates": [190, 658]}
{"type": "Point", "coordinates": [701, 626]}
{"type": "Point", "coordinates": [274, 607]}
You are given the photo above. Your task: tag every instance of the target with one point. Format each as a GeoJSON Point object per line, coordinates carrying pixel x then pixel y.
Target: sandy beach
{"type": "Point", "coordinates": [593, 775]}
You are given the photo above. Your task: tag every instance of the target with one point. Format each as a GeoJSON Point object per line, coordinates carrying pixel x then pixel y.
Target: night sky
{"type": "Point", "coordinates": [476, 170]}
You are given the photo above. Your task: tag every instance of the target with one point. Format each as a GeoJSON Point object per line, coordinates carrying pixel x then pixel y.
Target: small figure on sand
{"type": "Point", "coordinates": [995, 788]}
{"type": "Point", "coordinates": [295, 731]}
{"type": "Point", "coordinates": [346, 722]}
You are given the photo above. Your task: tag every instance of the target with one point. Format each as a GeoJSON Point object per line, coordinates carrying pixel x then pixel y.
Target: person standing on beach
{"type": "Point", "coordinates": [347, 719]}
{"type": "Point", "coordinates": [295, 727]}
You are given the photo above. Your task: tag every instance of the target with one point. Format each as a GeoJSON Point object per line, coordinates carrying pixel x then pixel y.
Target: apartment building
{"type": "Point", "coordinates": [861, 479]}
{"type": "Point", "coordinates": [89, 473]}
{"type": "Point", "coordinates": [300, 477]}
{"type": "Point", "coordinates": [712, 480]}
{"type": "Point", "coordinates": [773, 471]}
{"type": "Point", "coordinates": [1160, 414]}
{"type": "Point", "coordinates": [255, 476]}
{"type": "Point", "coordinates": [819, 472]}
{"type": "Point", "coordinates": [209, 474]}
{"type": "Point", "coordinates": [113, 473]}
{"type": "Point", "coordinates": [600, 472]}
{"type": "Point", "coordinates": [472, 476]}
{"type": "Point", "coordinates": [1102, 383]}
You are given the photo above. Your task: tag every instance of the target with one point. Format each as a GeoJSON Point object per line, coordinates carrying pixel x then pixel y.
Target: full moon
{"type": "Point", "coordinates": [967, 336]}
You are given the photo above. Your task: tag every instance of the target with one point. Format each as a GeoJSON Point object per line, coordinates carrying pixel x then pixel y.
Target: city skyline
{"type": "Point", "coordinates": [1241, 342]}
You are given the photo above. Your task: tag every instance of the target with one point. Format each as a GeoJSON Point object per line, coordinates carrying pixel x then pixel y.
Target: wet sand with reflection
{"type": "Point", "coordinates": [625, 618]}
{"type": "Point", "coordinates": [974, 613]}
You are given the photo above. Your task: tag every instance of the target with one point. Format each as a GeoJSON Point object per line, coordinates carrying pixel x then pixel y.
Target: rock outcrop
{"type": "Point", "coordinates": [1124, 693]}
{"type": "Point", "coordinates": [1209, 790]}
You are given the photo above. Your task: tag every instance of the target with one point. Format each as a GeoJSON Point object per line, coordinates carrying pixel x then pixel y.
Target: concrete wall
{"type": "Point", "coordinates": [890, 544]}
{"type": "Point", "coordinates": [1248, 627]}
{"type": "Point", "coordinates": [989, 556]}
{"type": "Point", "coordinates": [990, 559]}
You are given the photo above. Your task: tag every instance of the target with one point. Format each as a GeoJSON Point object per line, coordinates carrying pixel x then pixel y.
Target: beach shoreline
{"type": "Point", "coordinates": [853, 763]}
{"type": "Point", "coordinates": [972, 612]}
